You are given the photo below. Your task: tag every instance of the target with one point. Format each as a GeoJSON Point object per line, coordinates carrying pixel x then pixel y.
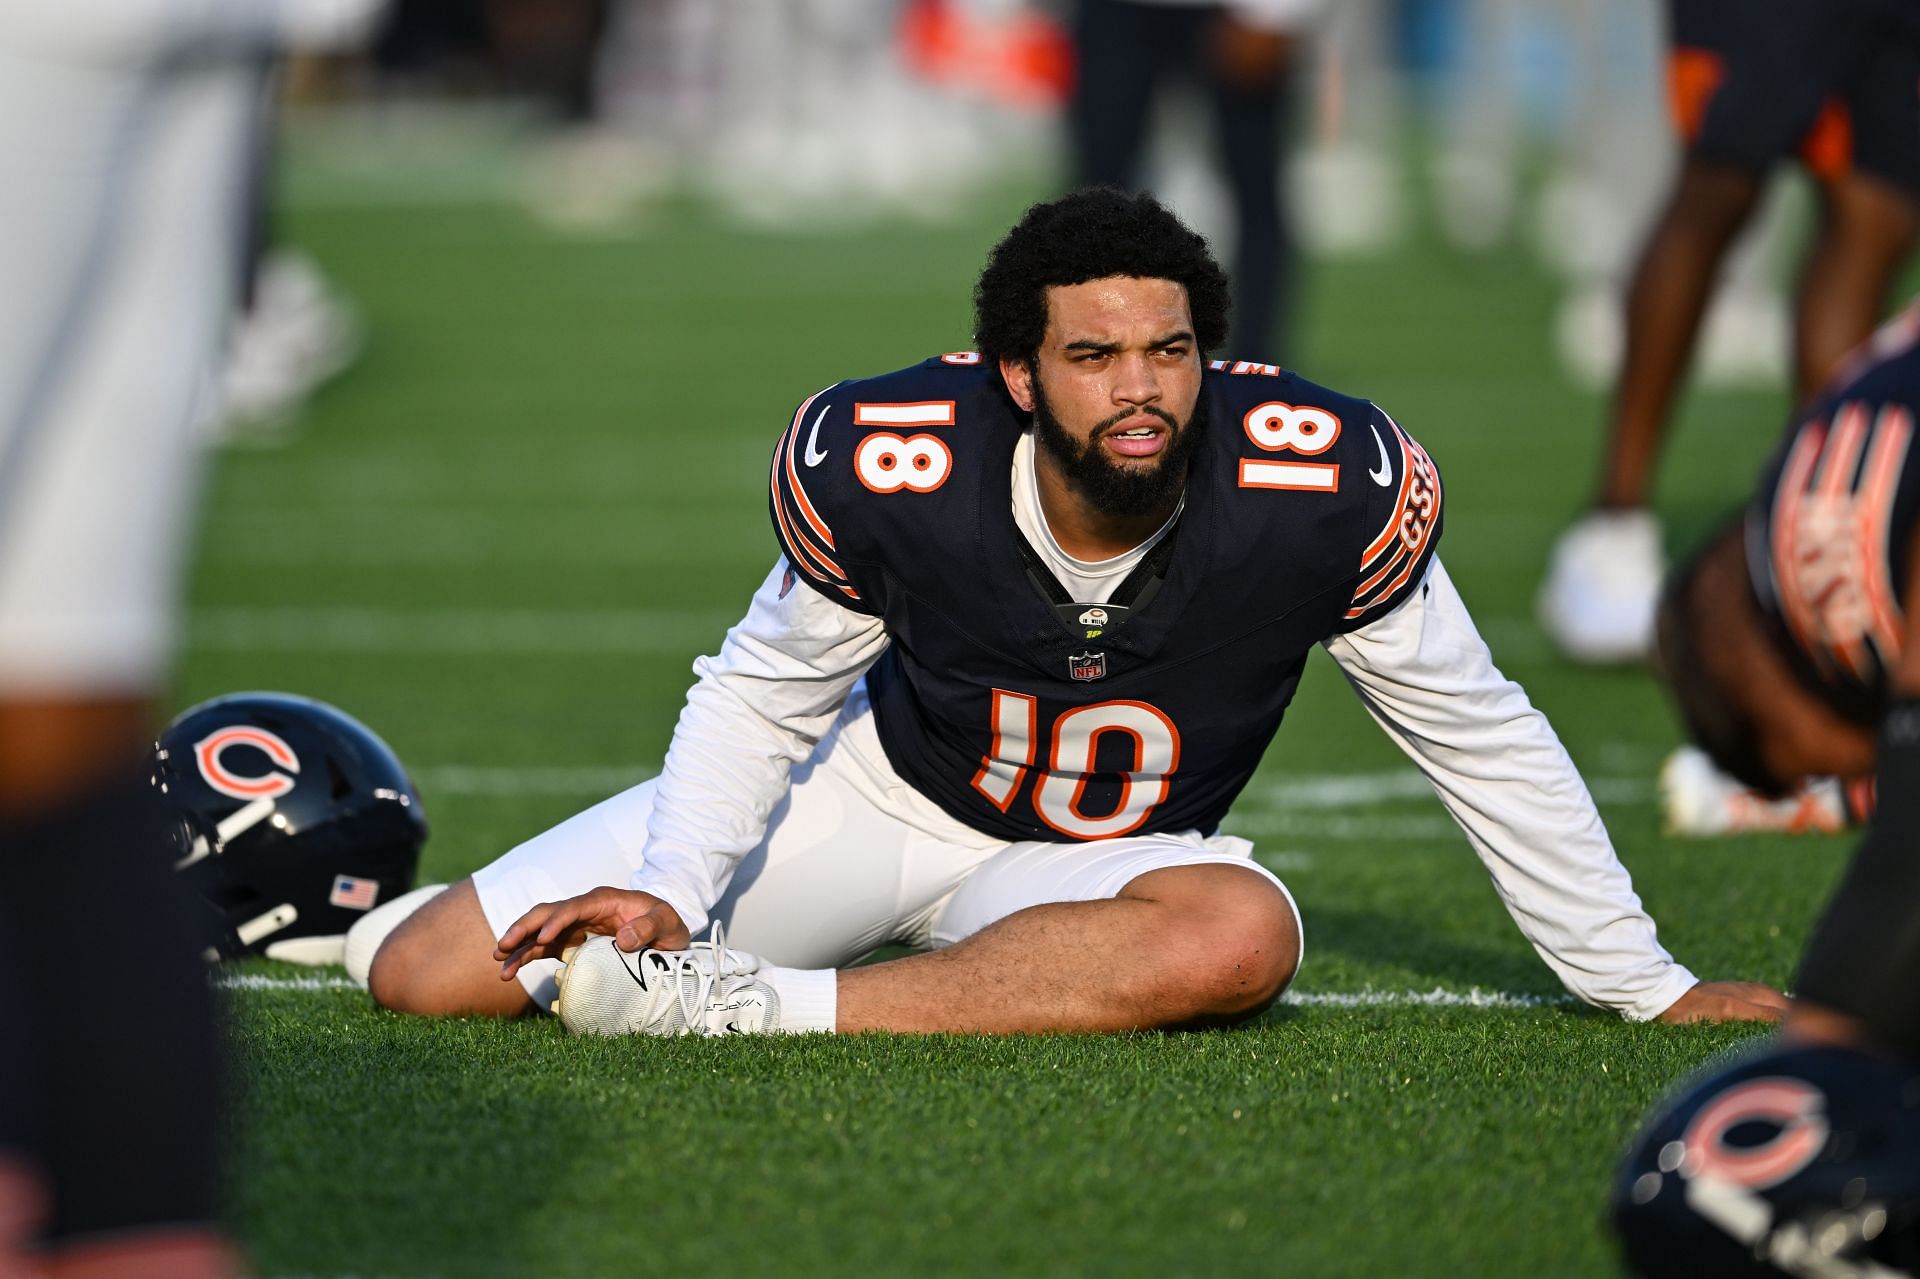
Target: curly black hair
{"type": "Point", "coordinates": [1089, 235]}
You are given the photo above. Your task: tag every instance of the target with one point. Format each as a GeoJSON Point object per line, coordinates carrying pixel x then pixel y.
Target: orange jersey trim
{"type": "Point", "coordinates": [1693, 77]}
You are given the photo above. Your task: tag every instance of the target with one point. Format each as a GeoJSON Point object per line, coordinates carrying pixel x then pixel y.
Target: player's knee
{"type": "Point", "coordinates": [396, 972]}
{"type": "Point", "coordinates": [365, 938]}
{"type": "Point", "coordinates": [1241, 942]}
{"type": "Point", "coordinates": [438, 962]}
{"type": "Point", "coordinates": [1713, 198]}
{"type": "Point", "coordinates": [1253, 950]}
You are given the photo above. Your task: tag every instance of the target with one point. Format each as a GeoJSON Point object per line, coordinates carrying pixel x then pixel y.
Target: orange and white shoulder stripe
{"type": "Point", "coordinates": [1837, 488]}
{"type": "Point", "coordinates": [1789, 497]}
{"type": "Point", "coordinates": [1831, 523]}
{"type": "Point", "coordinates": [1879, 485]}
{"type": "Point", "coordinates": [1404, 543]}
{"type": "Point", "coordinates": [804, 532]}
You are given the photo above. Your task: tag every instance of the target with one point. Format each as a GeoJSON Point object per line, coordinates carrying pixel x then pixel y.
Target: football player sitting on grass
{"type": "Point", "coordinates": [1040, 610]}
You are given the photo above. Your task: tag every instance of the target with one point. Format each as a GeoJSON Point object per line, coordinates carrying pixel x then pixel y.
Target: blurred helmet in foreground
{"type": "Point", "coordinates": [1795, 1161]}
{"type": "Point", "coordinates": [289, 818]}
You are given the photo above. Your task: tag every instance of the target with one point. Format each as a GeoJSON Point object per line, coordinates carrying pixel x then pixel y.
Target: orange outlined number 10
{"type": "Point", "coordinates": [1060, 790]}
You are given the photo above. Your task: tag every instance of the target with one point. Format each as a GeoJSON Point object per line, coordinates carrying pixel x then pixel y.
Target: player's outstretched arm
{"type": "Point", "coordinates": [1428, 680]}
{"type": "Point", "coordinates": [632, 919]}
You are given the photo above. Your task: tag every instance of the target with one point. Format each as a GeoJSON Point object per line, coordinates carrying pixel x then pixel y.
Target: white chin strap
{"type": "Point", "coordinates": [313, 951]}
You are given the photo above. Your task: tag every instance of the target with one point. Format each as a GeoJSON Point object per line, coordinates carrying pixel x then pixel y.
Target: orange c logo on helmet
{"type": "Point", "coordinates": [207, 752]}
{"type": "Point", "coordinates": [1793, 1108]}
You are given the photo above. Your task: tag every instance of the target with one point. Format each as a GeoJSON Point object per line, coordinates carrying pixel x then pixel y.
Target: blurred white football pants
{"type": "Point", "coordinates": [118, 246]}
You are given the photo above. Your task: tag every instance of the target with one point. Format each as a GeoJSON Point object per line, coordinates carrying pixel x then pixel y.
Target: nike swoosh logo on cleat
{"type": "Point", "coordinates": [815, 457]}
{"type": "Point", "coordinates": [1383, 476]}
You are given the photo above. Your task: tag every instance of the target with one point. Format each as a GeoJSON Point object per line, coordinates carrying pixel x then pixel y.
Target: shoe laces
{"type": "Point", "coordinates": [691, 978]}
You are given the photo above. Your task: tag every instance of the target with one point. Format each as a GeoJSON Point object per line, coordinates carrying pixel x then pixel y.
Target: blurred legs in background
{"type": "Point", "coordinates": [119, 267]}
{"type": "Point", "coordinates": [1128, 50]}
{"type": "Point", "coordinates": [291, 332]}
{"type": "Point", "coordinates": [1833, 82]}
{"type": "Point", "coordinates": [123, 138]}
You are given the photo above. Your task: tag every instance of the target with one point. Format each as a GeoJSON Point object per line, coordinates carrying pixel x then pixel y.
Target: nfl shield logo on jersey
{"type": "Point", "coordinates": [1085, 666]}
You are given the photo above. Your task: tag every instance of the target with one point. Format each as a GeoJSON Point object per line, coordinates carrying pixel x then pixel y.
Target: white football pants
{"type": "Point", "coordinates": [839, 872]}
{"type": "Point", "coordinates": [119, 244]}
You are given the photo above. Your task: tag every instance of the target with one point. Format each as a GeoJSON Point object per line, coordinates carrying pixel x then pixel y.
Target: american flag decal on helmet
{"type": "Point", "coordinates": [354, 893]}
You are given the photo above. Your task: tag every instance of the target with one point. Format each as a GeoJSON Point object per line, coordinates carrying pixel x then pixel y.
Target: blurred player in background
{"type": "Point", "coordinates": [1791, 646]}
{"type": "Point", "coordinates": [1241, 55]}
{"type": "Point", "coordinates": [291, 331]}
{"type": "Point", "coordinates": [1784, 639]}
{"type": "Point", "coordinates": [1831, 81]}
{"type": "Point", "coordinates": [1789, 643]}
{"type": "Point", "coordinates": [123, 138]}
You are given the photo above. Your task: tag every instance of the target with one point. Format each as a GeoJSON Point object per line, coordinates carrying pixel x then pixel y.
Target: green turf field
{"type": "Point", "coordinates": [503, 538]}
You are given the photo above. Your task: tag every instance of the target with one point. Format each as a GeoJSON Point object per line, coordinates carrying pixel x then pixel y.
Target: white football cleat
{"type": "Point", "coordinates": [298, 335]}
{"type": "Point", "coordinates": [703, 990]}
{"type": "Point", "coordinates": [1696, 798]}
{"type": "Point", "coordinates": [1603, 586]}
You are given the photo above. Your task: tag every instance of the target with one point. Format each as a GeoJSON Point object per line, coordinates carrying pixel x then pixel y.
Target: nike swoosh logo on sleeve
{"type": "Point", "coordinates": [1384, 475]}
{"type": "Point", "coordinates": [815, 457]}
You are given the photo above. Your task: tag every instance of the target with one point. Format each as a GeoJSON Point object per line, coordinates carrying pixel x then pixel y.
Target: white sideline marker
{"type": "Point", "coordinates": [597, 780]}
{"type": "Point", "coordinates": [480, 632]}
{"type": "Point", "coordinates": [1436, 998]}
{"type": "Point", "coordinates": [538, 632]}
{"type": "Point", "coordinates": [256, 981]}
{"type": "Point", "coordinates": [1297, 805]}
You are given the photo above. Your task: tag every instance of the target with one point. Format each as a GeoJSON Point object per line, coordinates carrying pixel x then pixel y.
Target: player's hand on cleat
{"type": "Point", "coordinates": [634, 920]}
{"type": "Point", "coordinates": [560, 978]}
{"type": "Point", "coordinates": [703, 989]}
{"type": "Point", "coordinates": [1728, 1001]}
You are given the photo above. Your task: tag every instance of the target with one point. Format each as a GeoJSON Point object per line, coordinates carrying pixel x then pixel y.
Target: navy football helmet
{"type": "Point", "coordinates": [1797, 1161]}
{"type": "Point", "coordinates": [288, 818]}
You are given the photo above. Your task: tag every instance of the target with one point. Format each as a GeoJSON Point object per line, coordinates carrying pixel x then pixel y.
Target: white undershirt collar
{"type": "Point", "coordinates": [1087, 581]}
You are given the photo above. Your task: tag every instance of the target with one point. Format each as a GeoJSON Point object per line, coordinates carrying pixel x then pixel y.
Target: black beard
{"type": "Point", "coordinates": [1107, 486]}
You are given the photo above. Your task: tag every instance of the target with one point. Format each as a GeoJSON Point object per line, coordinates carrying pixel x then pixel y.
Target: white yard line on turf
{"type": "Point", "coordinates": [471, 779]}
{"type": "Point", "coordinates": [1436, 998]}
{"type": "Point", "coordinates": [1302, 791]}
{"type": "Point", "coordinates": [254, 981]}
{"type": "Point", "coordinates": [1260, 825]}
{"type": "Point", "coordinates": [578, 540]}
{"type": "Point", "coordinates": [532, 632]}
{"type": "Point", "coordinates": [1306, 804]}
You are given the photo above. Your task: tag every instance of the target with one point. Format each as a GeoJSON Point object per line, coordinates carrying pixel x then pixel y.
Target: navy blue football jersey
{"type": "Point", "coordinates": [1307, 514]}
{"type": "Point", "coordinates": [1831, 527]}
